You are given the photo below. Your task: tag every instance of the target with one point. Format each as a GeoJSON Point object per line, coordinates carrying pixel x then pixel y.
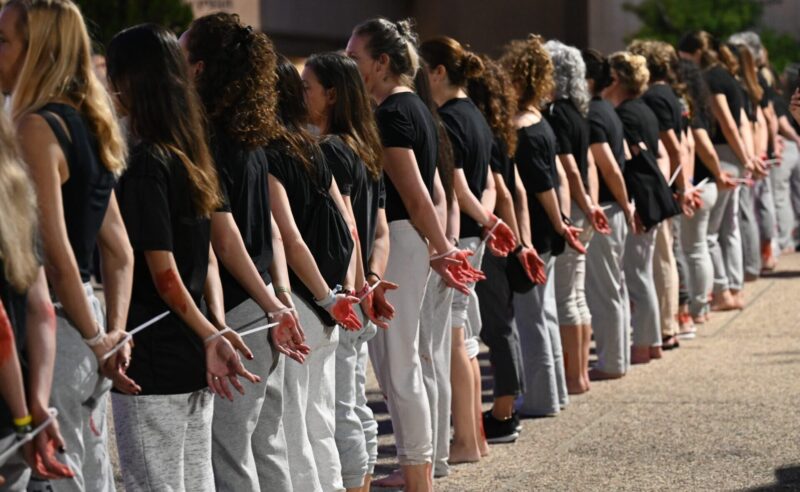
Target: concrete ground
{"type": "Point", "coordinates": [720, 413]}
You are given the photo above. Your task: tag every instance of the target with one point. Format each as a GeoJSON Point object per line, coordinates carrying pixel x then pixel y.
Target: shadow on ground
{"type": "Point", "coordinates": [786, 478]}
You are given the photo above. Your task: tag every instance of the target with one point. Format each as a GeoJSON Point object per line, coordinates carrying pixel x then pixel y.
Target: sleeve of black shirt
{"type": "Point", "coordinates": [145, 204]}
{"type": "Point", "coordinates": [395, 128]}
{"type": "Point", "coordinates": [456, 139]}
{"type": "Point", "coordinates": [597, 129]}
{"type": "Point", "coordinates": [661, 109]}
{"type": "Point", "coordinates": [561, 127]}
{"type": "Point", "coordinates": [340, 164]}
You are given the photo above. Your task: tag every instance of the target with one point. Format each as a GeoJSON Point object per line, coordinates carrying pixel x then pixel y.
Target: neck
{"type": "Point", "coordinates": [618, 97]}
{"type": "Point", "coordinates": [447, 93]}
{"type": "Point", "coordinates": [385, 88]}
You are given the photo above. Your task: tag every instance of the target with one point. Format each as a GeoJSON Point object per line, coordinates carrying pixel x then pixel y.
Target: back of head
{"type": "Point", "coordinates": [459, 63]}
{"type": "Point", "coordinates": [17, 214]}
{"type": "Point", "coordinates": [493, 93]}
{"type": "Point", "coordinates": [748, 71]}
{"type": "Point", "coordinates": [597, 69]}
{"type": "Point", "coordinates": [237, 80]}
{"type": "Point", "coordinates": [697, 92]}
{"type": "Point", "coordinates": [147, 68]}
{"type": "Point", "coordinates": [661, 59]}
{"type": "Point", "coordinates": [630, 70]}
{"type": "Point", "coordinates": [397, 40]}
{"type": "Point", "coordinates": [752, 41]}
{"type": "Point", "coordinates": [293, 115]}
{"type": "Point", "coordinates": [702, 41]}
{"type": "Point", "coordinates": [569, 74]}
{"type": "Point", "coordinates": [58, 66]}
{"type": "Point", "coordinates": [351, 117]}
{"type": "Point", "coordinates": [530, 69]}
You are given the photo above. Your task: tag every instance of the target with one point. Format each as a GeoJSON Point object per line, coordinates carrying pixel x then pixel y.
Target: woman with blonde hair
{"type": "Point", "coordinates": [531, 72]}
{"type": "Point", "coordinates": [74, 149]}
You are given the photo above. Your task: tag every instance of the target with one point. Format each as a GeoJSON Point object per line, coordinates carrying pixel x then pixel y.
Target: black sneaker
{"type": "Point", "coordinates": [500, 431]}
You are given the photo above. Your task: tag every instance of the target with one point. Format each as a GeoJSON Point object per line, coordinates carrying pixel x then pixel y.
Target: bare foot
{"type": "Point", "coordinates": [738, 298]}
{"type": "Point", "coordinates": [484, 446]}
{"type": "Point", "coordinates": [394, 480]}
{"type": "Point", "coordinates": [640, 355]}
{"type": "Point", "coordinates": [699, 320]}
{"type": "Point", "coordinates": [724, 301]}
{"type": "Point", "coordinates": [585, 381]}
{"type": "Point", "coordinates": [656, 352]}
{"type": "Point", "coordinates": [461, 454]}
{"type": "Point", "coordinates": [575, 386]}
{"type": "Point", "coordinates": [598, 375]}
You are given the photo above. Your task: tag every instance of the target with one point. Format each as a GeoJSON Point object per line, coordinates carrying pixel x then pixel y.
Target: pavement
{"type": "Point", "coordinates": [722, 412]}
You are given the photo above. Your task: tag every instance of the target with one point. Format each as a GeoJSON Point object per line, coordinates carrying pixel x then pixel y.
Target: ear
{"type": "Point", "coordinates": [440, 72]}
{"type": "Point", "coordinates": [383, 62]}
{"type": "Point", "coordinates": [330, 96]}
{"type": "Point", "coordinates": [198, 68]}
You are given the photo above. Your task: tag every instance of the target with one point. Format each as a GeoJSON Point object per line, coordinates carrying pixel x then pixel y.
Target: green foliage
{"type": "Point", "coordinates": [105, 18]}
{"type": "Point", "coordinates": [668, 20]}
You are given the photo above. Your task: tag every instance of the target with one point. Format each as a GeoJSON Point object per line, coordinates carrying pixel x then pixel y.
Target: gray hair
{"type": "Point", "coordinates": [752, 41]}
{"type": "Point", "coordinates": [569, 74]}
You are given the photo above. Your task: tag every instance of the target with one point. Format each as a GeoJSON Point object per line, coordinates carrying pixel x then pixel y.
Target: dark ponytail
{"type": "Point", "coordinates": [459, 63]}
{"type": "Point", "coordinates": [445, 160]}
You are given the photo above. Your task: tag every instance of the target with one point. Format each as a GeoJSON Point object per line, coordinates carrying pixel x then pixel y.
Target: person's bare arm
{"type": "Point", "coordinates": [730, 128]}
{"type": "Point", "coordinates": [708, 156]}
{"type": "Point", "coordinates": [612, 176]}
{"type": "Point", "coordinates": [40, 333]}
{"type": "Point", "coordinates": [380, 247]}
{"type": "Point", "coordinates": [117, 266]}
{"type": "Point", "coordinates": [355, 271]}
{"type": "Point", "coordinates": [675, 153]}
{"type": "Point", "coordinates": [12, 389]}
{"type": "Point", "coordinates": [489, 196]}
{"type": "Point", "coordinates": [212, 292]}
{"type": "Point", "coordinates": [467, 201]}
{"type": "Point", "coordinates": [593, 178]}
{"type": "Point", "coordinates": [577, 191]}
{"type": "Point", "coordinates": [505, 205]}
{"type": "Point", "coordinates": [521, 209]}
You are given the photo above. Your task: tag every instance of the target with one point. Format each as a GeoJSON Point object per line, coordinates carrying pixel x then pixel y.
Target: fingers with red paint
{"type": "Point", "coordinates": [367, 294]}
{"type": "Point", "coordinates": [342, 311]}
{"type": "Point", "coordinates": [465, 269]}
{"type": "Point", "coordinates": [571, 234]}
{"type": "Point", "coordinates": [499, 237]}
{"type": "Point", "coordinates": [45, 446]}
{"type": "Point", "coordinates": [285, 337]}
{"type": "Point", "coordinates": [533, 265]}
{"type": "Point", "coordinates": [383, 308]}
{"type": "Point", "coordinates": [222, 362]}
{"type": "Point", "coordinates": [599, 220]}
{"type": "Point", "coordinates": [115, 369]}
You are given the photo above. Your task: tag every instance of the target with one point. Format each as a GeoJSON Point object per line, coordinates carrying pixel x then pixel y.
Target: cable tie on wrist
{"type": "Point", "coordinates": [328, 300]}
{"type": "Point", "coordinates": [443, 255]}
{"type": "Point", "coordinates": [216, 335]}
{"type": "Point", "coordinates": [97, 339]}
{"type": "Point", "coordinates": [279, 312]}
{"type": "Point", "coordinates": [373, 274]}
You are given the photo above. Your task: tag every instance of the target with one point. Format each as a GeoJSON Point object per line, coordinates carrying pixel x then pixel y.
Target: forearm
{"type": "Point", "coordinates": [12, 389]}
{"type": "Point", "coordinates": [549, 202]}
{"type": "Point", "coordinates": [423, 216]}
{"type": "Point", "coordinates": [117, 286]}
{"type": "Point", "coordinates": [489, 195]}
{"type": "Point", "coordinates": [505, 206]}
{"type": "Point", "coordinates": [562, 190]}
{"type": "Point", "coordinates": [380, 247]}
{"type": "Point", "coordinates": [440, 199]}
{"type": "Point", "coordinates": [453, 221]}
{"type": "Point", "coordinates": [68, 287]}
{"type": "Point", "coordinates": [521, 209]}
{"type": "Point", "coordinates": [708, 155]}
{"type": "Point", "coordinates": [577, 190]}
{"type": "Point", "coordinates": [303, 264]}
{"type": "Point", "coordinates": [41, 343]}
{"type": "Point", "coordinates": [594, 180]}
{"type": "Point", "coordinates": [212, 292]}
{"type": "Point", "coordinates": [278, 269]}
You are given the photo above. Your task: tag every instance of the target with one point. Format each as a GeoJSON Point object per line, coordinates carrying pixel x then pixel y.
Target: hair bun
{"type": "Point", "coordinates": [472, 65]}
{"type": "Point", "coordinates": [405, 28]}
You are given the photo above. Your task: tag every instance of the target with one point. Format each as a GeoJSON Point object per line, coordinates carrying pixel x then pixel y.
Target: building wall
{"type": "Point", "coordinates": [249, 10]}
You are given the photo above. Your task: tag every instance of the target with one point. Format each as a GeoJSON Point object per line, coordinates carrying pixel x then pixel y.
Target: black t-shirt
{"type": "Point", "coordinates": [404, 121]}
{"type": "Point", "coordinates": [661, 99]}
{"type": "Point", "coordinates": [749, 106]}
{"type": "Point", "coordinates": [471, 140]}
{"type": "Point", "coordinates": [572, 134]}
{"type": "Point", "coordinates": [502, 164]}
{"type": "Point", "coordinates": [720, 81]}
{"type": "Point", "coordinates": [366, 194]}
{"type": "Point", "coordinates": [14, 305]}
{"type": "Point", "coordinates": [536, 162]}
{"type": "Point", "coordinates": [85, 194]}
{"type": "Point", "coordinates": [769, 91]}
{"type": "Point", "coordinates": [639, 124]}
{"type": "Point", "coordinates": [155, 198]}
{"type": "Point", "coordinates": [244, 180]}
{"type": "Point", "coordinates": [606, 127]}
{"type": "Point", "coordinates": [699, 121]}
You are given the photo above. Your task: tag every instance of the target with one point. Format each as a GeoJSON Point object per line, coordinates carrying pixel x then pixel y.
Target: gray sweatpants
{"type": "Point", "coordinates": [540, 340]}
{"type": "Point", "coordinates": [248, 440]}
{"type": "Point", "coordinates": [466, 311]}
{"type": "Point", "coordinates": [356, 439]}
{"type": "Point", "coordinates": [80, 394]}
{"type": "Point", "coordinates": [696, 250]}
{"type": "Point", "coordinates": [645, 322]}
{"type": "Point", "coordinates": [164, 441]}
{"type": "Point", "coordinates": [15, 471]}
{"type": "Point", "coordinates": [607, 294]}
{"type": "Point", "coordinates": [395, 352]}
{"type": "Point", "coordinates": [785, 216]}
{"type": "Point", "coordinates": [724, 236]}
{"type": "Point", "coordinates": [570, 271]}
{"type": "Point", "coordinates": [309, 412]}
{"type": "Point", "coordinates": [435, 345]}
{"type": "Point", "coordinates": [748, 223]}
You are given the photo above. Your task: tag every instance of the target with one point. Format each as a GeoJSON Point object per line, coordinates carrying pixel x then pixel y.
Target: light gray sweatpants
{"type": "Point", "coordinates": [696, 250]}
{"type": "Point", "coordinates": [435, 349]}
{"type": "Point", "coordinates": [570, 269]}
{"type": "Point", "coordinates": [724, 236]}
{"type": "Point", "coordinates": [466, 310]}
{"type": "Point", "coordinates": [80, 394]}
{"type": "Point", "coordinates": [645, 319]}
{"type": "Point", "coordinates": [748, 224]}
{"type": "Point", "coordinates": [353, 435]}
{"type": "Point", "coordinates": [607, 294]}
{"type": "Point", "coordinates": [164, 441]}
{"type": "Point", "coordinates": [15, 470]}
{"type": "Point", "coordinates": [540, 340]}
{"type": "Point", "coordinates": [248, 440]}
{"type": "Point", "coordinates": [395, 352]}
{"type": "Point", "coordinates": [785, 216]}
{"type": "Point", "coordinates": [309, 412]}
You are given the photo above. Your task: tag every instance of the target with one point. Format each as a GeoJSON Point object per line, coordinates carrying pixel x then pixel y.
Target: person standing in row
{"type": "Point", "coordinates": [629, 76]}
{"type": "Point", "coordinates": [339, 108]}
{"type": "Point", "coordinates": [234, 71]}
{"type": "Point", "coordinates": [606, 291]}
{"type": "Point", "coordinates": [386, 55]}
{"type": "Point", "coordinates": [567, 116]}
{"type": "Point", "coordinates": [531, 72]}
{"type": "Point", "coordinates": [493, 94]}
{"type": "Point", "coordinates": [449, 66]}
{"type": "Point", "coordinates": [316, 231]}
{"type": "Point", "coordinates": [167, 197]}
{"type": "Point", "coordinates": [73, 147]}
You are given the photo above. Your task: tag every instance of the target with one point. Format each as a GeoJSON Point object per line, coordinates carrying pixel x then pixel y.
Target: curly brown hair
{"type": "Point", "coordinates": [237, 83]}
{"type": "Point", "coordinates": [531, 70]}
{"type": "Point", "coordinates": [631, 71]}
{"type": "Point", "coordinates": [493, 93]}
{"type": "Point", "coordinates": [662, 62]}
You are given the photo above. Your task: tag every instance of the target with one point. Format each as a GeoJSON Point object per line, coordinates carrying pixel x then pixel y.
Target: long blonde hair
{"type": "Point", "coordinates": [18, 209]}
{"type": "Point", "coordinates": [58, 67]}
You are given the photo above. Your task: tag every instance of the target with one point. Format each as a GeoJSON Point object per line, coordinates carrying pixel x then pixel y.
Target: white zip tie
{"type": "Point", "coordinates": [28, 437]}
{"type": "Point", "coordinates": [701, 184]}
{"type": "Point", "coordinates": [675, 175]}
{"type": "Point", "coordinates": [216, 335]}
{"type": "Point", "coordinates": [489, 234]}
{"type": "Point", "coordinates": [130, 334]}
{"type": "Point", "coordinates": [257, 329]}
{"type": "Point", "coordinates": [370, 290]}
